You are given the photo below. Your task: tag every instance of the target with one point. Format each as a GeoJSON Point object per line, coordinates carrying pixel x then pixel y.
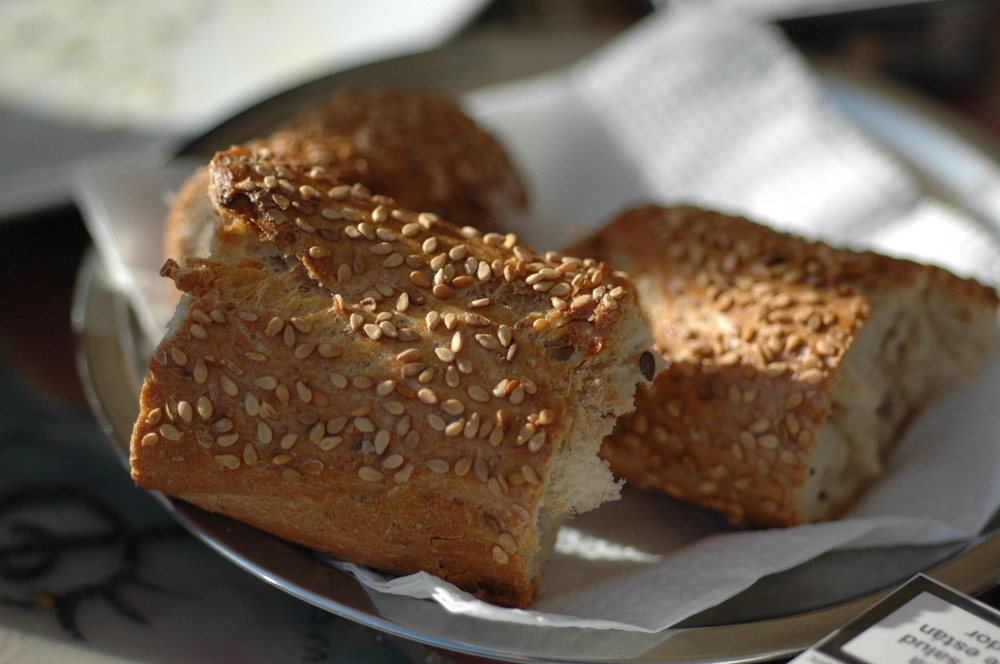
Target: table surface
{"type": "Point", "coordinates": [123, 535]}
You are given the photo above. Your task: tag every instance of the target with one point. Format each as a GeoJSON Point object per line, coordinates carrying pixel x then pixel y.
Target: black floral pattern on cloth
{"type": "Point", "coordinates": [91, 566]}
{"type": "Point", "coordinates": [31, 548]}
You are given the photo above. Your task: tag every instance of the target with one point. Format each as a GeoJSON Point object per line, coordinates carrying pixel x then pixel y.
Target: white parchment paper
{"type": "Point", "coordinates": [695, 105]}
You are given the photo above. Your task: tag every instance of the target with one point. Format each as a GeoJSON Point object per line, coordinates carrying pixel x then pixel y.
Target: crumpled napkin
{"type": "Point", "coordinates": [705, 106]}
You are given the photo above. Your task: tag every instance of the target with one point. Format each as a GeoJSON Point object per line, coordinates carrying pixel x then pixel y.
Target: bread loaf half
{"type": "Point", "coordinates": [418, 147]}
{"type": "Point", "coordinates": [384, 386]}
{"type": "Point", "coordinates": [792, 366]}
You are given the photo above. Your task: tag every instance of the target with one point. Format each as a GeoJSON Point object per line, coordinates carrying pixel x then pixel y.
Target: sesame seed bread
{"type": "Point", "coordinates": [792, 366]}
{"type": "Point", "coordinates": [417, 147]}
{"type": "Point", "coordinates": [385, 386]}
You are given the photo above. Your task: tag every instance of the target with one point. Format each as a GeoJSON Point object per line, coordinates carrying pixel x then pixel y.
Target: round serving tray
{"type": "Point", "coordinates": [777, 617]}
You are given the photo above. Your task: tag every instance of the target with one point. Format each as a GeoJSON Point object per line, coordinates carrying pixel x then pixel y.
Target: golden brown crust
{"type": "Point", "coordinates": [417, 147]}
{"type": "Point", "coordinates": [384, 386]}
{"type": "Point", "coordinates": [755, 325]}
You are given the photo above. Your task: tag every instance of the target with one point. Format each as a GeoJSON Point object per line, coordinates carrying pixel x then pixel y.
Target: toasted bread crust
{"type": "Point", "coordinates": [383, 386]}
{"type": "Point", "coordinates": [417, 147]}
{"type": "Point", "coordinates": [757, 327]}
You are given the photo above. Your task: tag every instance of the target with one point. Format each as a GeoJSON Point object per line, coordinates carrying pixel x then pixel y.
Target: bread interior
{"type": "Point", "coordinates": [904, 354]}
{"type": "Point", "coordinates": [579, 479]}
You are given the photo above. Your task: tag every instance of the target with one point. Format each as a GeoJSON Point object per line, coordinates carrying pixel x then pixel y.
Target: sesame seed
{"type": "Point", "coordinates": [228, 385]}
{"type": "Point", "coordinates": [369, 474]}
{"type": "Point", "coordinates": [328, 350]}
{"type": "Point", "coordinates": [812, 376]}
{"type": "Point", "coordinates": [769, 441]}
{"type": "Point", "coordinates": [228, 461]}
{"type": "Point", "coordinates": [436, 422]}
{"type": "Point", "coordinates": [227, 440]}
{"type": "Point", "coordinates": [409, 355]}
{"type": "Point", "coordinates": [178, 356]}
{"type": "Point", "coordinates": [481, 469]}
{"type": "Point", "coordinates": [453, 406]}
{"type": "Point", "coordinates": [442, 291]}
{"type": "Point", "coordinates": [364, 425]}
{"type": "Point", "coordinates": [288, 440]}
{"type": "Point", "coordinates": [388, 329]}
{"type": "Point", "coordinates": [445, 354]}
{"type": "Point", "coordinates": [451, 377]}
{"type": "Point", "coordinates": [264, 433]}
{"type": "Point", "coordinates": [507, 542]}
{"type": "Point", "coordinates": [150, 438]}
{"type": "Point", "coordinates": [488, 341]}
{"type": "Point", "coordinates": [318, 252]}
{"type": "Point", "coordinates": [536, 442]}
{"type": "Point", "coordinates": [463, 466]}
{"type": "Point", "coordinates": [222, 425]}
{"type": "Point", "coordinates": [408, 334]}
{"type": "Point", "coordinates": [373, 331]}
{"type": "Point", "coordinates": [393, 461]}
{"type": "Point", "coordinates": [200, 371]}
{"type": "Point", "coordinates": [427, 395]}
{"type": "Point", "coordinates": [504, 335]}
{"type": "Point", "coordinates": [535, 278]}
{"type": "Point", "coordinates": [476, 320]}
{"type": "Point", "coordinates": [426, 376]}
{"type": "Point", "coordinates": [404, 474]}
{"type": "Point", "coordinates": [420, 279]}
{"type": "Point", "coordinates": [439, 466]}
{"type": "Point", "coordinates": [385, 387]}
{"type": "Point", "coordinates": [251, 404]}
{"type": "Point", "coordinates": [382, 439]}
{"type": "Point", "coordinates": [330, 442]}
{"type": "Point", "coordinates": [266, 382]}
{"type": "Point", "coordinates": [476, 393]}
{"type": "Point", "coordinates": [454, 428]}
{"type": "Point", "coordinates": [411, 369]}
{"type": "Point", "coordinates": [204, 408]}
{"type": "Point", "coordinates": [315, 433]}
{"type": "Point", "coordinates": [410, 229]}
{"type": "Point", "coordinates": [479, 303]}
{"type": "Point", "coordinates": [456, 342]}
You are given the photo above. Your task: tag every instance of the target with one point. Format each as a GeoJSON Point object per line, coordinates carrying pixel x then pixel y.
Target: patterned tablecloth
{"type": "Point", "coordinates": [93, 569]}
